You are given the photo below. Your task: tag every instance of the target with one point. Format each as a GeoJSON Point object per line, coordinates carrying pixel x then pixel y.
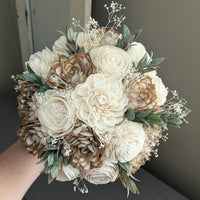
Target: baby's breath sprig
{"type": "Point", "coordinates": [77, 182]}
{"type": "Point", "coordinates": [114, 21]}
{"type": "Point", "coordinates": [177, 105]}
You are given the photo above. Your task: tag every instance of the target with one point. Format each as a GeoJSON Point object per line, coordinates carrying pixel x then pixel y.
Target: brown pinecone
{"type": "Point", "coordinates": [141, 93]}
{"type": "Point", "coordinates": [72, 71]}
{"type": "Point", "coordinates": [153, 136]}
{"type": "Point", "coordinates": [83, 148]}
{"type": "Point", "coordinates": [24, 99]}
{"type": "Point", "coordinates": [32, 138]}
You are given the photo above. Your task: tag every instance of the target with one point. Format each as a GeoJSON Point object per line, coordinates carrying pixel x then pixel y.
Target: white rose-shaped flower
{"type": "Point", "coordinates": [137, 52]}
{"type": "Point", "coordinates": [67, 173]}
{"type": "Point", "coordinates": [60, 47]}
{"type": "Point", "coordinates": [111, 61]}
{"type": "Point", "coordinates": [41, 62]}
{"type": "Point", "coordinates": [55, 112]}
{"type": "Point", "coordinates": [107, 173]}
{"type": "Point", "coordinates": [100, 102]}
{"type": "Point", "coordinates": [161, 90]}
{"type": "Point", "coordinates": [126, 143]}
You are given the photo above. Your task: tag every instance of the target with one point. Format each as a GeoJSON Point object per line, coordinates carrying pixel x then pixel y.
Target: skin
{"type": "Point", "coordinates": [18, 170]}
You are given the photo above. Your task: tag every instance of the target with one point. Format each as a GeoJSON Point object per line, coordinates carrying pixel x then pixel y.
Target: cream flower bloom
{"type": "Point", "coordinates": [127, 141]}
{"type": "Point", "coordinates": [137, 52]}
{"type": "Point", "coordinates": [107, 173]}
{"type": "Point", "coordinates": [41, 62]}
{"type": "Point", "coordinates": [67, 173]}
{"type": "Point", "coordinates": [55, 112]}
{"type": "Point", "coordinates": [60, 47]}
{"type": "Point", "coordinates": [100, 102]}
{"type": "Point", "coordinates": [161, 90]}
{"type": "Point", "coordinates": [111, 61]}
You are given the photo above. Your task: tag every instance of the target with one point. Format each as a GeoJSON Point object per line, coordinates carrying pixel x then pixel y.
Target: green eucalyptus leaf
{"type": "Point", "coordinates": [142, 63]}
{"type": "Point", "coordinates": [125, 33]}
{"type": "Point", "coordinates": [29, 69]}
{"type": "Point", "coordinates": [173, 124]}
{"type": "Point", "coordinates": [50, 159]}
{"type": "Point", "coordinates": [143, 114]}
{"type": "Point", "coordinates": [46, 168]}
{"type": "Point", "coordinates": [134, 35]}
{"type": "Point", "coordinates": [156, 61]}
{"type": "Point", "coordinates": [54, 171]}
{"type": "Point", "coordinates": [70, 34]}
{"type": "Point", "coordinates": [124, 166]}
{"type": "Point", "coordinates": [132, 186]}
{"type": "Point", "coordinates": [164, 126]}
{"type": "Point", "coordinates": [155, 119]}
{"type": "Point", "coordinates": [146, 123]}
{"type": "Point", "coordinates": [50, 179]}
{"type": "Point", "coordinates": [130, 114]}
{"type": "Point", "coordinates": [146, 70]}
{"type": "Point", "coordinates": [175, 120]}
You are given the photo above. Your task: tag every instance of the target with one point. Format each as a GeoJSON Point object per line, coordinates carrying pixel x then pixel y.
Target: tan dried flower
{"type": "Point", "coordinates": [72, 71]}
{"type": "Point", "coordinates": [33, 138]}
{"type": "Point", "coordinates": [83, 148]}
{"type": "Point", "coordinates": [110, 37]}
{"type": "Point", "coordinates": [141, 93]}
{"type": "Point", "coordinates": [25, 111]}
{"type": "Point", "coordinates": [152, 137]}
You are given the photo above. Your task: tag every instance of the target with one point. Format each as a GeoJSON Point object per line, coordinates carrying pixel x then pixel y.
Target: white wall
{"type": "Point", "coordinates": [49, 16]}
{"type": "Point", "coordinates": [10, 57]}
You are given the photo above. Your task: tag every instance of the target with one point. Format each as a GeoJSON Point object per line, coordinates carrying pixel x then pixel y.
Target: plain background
{"type": "Point", "coordinates": [171, 29]}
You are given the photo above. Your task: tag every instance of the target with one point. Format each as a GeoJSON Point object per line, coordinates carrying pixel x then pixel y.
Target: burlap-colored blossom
{"type": "Point", "coordinates": [70, 71]}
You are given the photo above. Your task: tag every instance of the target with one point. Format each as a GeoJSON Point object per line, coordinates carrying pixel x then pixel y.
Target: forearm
{"type": "Point", "coordinates": [18, 170]}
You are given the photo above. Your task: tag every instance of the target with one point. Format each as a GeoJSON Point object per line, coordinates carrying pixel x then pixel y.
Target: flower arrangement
{"type": "Point", "coordinates": [94, 107]}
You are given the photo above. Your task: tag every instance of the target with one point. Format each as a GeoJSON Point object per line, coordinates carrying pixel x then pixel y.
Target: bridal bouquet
{"type": "Point", "coordinates": [93, 108]}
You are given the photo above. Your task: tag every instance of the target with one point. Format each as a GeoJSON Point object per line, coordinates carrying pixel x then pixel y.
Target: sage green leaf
{"type": "Point", "coordinates": [133, 177]}
{"type": "Point", "coordinates": [132, 186]}
{"type": "Point", "coordinates": [125, 33]}
{"type": "Point", "coordinates": [156, 61]}
{"type": "Point", "coordinates": [70, 34]}
{"type": "Point", "coordinates": [29, 69]}
{"type": "Point", "coordinates": [134, 35]}
{"type": "Point", "coordinates": [154, 119]}
{"type": "Point", "coordinates": [46, 168]}
{"type": "Point", "coordinates": [146, 123]}
{"type": "Point", "coordinates": [142, 63]}
{"type": "Point", "coordinates": [124, 166]}
{"type": "Point", "coordinates": [175, 120]}
{"type": "Point", "coordinates": [130, 114]}
{"type": "Point", "coordinates": [50, 179]}
{"type": "Point", "coordinates": [54, 171]}
{"type": "Point", "coordinates": [50, 159]}
{"type": "Point", "coordinates": [164, 126]}
{"type": "Point", "coordinates": [146, 70]}
{"type": "Point", "coordinates": [164, 118]}
{"type": "Point", "coordinates": [143, 114]}
{"type": "Point", "coordinates": [128, 192]}
{"type": "Point", "coordinates": [173, 124]}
